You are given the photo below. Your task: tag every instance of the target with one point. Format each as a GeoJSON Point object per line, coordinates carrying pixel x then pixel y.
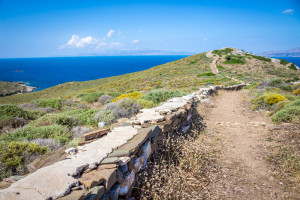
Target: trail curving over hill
{"type": "Point", "coordinates": [212, 65]}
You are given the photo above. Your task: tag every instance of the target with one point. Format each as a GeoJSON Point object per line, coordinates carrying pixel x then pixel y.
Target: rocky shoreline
{"type": "Point", "coordinates": [11, 88]}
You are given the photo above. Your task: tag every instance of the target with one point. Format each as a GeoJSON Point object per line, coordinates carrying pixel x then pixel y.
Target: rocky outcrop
{"type": "Point", "coordinates": [108, 167]}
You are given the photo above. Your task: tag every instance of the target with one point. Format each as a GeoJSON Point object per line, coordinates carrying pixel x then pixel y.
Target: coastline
{"type": "Point", "coordinates": [10, 88]}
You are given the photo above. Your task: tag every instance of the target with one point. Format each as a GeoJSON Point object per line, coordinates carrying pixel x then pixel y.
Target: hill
{"type": "Point", "coordinates": [282, 53]}
{"type": "Point", "coordinates": [186, 75]}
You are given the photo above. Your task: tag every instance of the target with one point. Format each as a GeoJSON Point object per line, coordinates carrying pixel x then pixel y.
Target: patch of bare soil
{"type": "Point", "coordinates": [236, 137]}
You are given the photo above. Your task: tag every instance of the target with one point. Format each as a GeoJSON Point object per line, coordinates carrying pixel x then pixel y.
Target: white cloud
{"type": "Point", "coordinates": [77, 42]}
{"type": "Point", "coordinates": [205, 39]}
{"type": "Point", "coordinates": [120, 32]}
{"type": "Point", "coordinates": [135, 41]}
{"type": "Point", "coordinates": [110, 33]}
{"type": "Point", "coordinates": [116, 44]}
{"type": "Point", "coordinates": [101, 44]}
{"type": "Point", "coordinates": [288, 11]}
{"type": "Point", "coordinates": [141, 31]}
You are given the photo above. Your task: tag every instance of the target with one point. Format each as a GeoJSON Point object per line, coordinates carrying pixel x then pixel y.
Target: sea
{"type": "Point", "coordinates": [47, 72]}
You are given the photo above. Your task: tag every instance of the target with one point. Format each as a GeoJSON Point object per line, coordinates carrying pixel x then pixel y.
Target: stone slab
{"type": "Point", "coordinates": [94, 134]}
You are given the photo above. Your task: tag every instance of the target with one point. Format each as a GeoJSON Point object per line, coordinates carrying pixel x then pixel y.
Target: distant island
{"type": "Point", "coordinates": [282, 53]}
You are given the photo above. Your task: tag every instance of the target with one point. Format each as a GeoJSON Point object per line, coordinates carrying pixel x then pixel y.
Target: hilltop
{"type": "Point", "coordinates": [186, 75]}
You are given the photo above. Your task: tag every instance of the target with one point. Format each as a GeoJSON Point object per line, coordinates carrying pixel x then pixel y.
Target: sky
{"type": "Point", "coordinates": [54, 28]}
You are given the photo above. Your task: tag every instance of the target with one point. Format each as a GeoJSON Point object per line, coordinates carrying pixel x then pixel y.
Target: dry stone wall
{"type": "Point", "coordinates": [108, 168]}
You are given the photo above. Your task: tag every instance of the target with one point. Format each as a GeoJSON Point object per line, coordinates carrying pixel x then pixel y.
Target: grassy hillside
{"type": "Point", "coordinates": [8, 88]}
{"type": "Point", "coordinates": [59, 115]}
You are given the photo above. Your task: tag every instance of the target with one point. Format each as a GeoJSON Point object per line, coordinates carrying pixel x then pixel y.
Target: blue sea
{"type": "Point", "coordinates": [48, 72]}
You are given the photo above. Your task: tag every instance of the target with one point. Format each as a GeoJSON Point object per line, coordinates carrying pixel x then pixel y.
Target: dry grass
{"type": "Point", "coordinates": [177, 169]}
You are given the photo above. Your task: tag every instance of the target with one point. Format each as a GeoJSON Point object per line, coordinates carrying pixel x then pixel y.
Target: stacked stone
{"type": "Point", "coordinates": [108, 168]}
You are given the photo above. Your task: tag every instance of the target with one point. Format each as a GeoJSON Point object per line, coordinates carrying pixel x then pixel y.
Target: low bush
{"type": "Point", "coordinates": [271, 99]}
{"type": "Point", "coordinates": [13, 111]}
{"type": "Point", "coordinates": [206, 74]}
{"type": "Point", "coordinates": [232, 59]}
{"type": "Point", "coordinates": [145, 103]}
{"type": "Point", "coordinates": [15, 155]}
{"type": "Point", "coordinates": [106, 116]}
{"type": "Point", "coordinates": [287, 88]}
{"type": "Point", "coordinates": [296, 86]}
{"type": "Point", "coordinates": [287, 114]}
{"type": "Point", "coordinates": [276, 82]}
{"type": "Point", "coordinates": [90, 97]}
{"type": "Point", "coordinates": [158, 96]}
{"type": "Point", "coordinates": [104, 98]}
{"type": "Point", "coordinates": [53, 103]}
{"type": "Point", "coordinates": [293, 67]}
{"type": "Point", "coordinates": [78, 131]}
{"type": "Point", "coordinates": [11, 122]}
{"type": "Point", "coordinates": [219, 67]}
{"type": "Point", "coordinates": [279, 106]}
{"type": "Point", "coordinates": [261, 58]}
{"type": "Point", "coordinates": [221, 52]}
{"type": "Point", "coordinates": [296, 92]}
{"type": "Point", "coordinates": [133, 95]}
{"type": "Point", "coordinates": [283, 62]}
{"type": "Point", "coordinates": [125, 107]}
{"type": "Point", "coordinates": [49, 143]}
{"type": "Point", "coordinates": [57, 132]}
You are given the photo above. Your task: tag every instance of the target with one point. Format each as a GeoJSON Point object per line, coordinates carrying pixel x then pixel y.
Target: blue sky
{"type": "Point", "coordinates": [47, 28]}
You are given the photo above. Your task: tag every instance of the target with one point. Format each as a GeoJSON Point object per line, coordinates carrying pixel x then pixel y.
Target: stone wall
{"type": "Point", "coordinates": [108, 168]}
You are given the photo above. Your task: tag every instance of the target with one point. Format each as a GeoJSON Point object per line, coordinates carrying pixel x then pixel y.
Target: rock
{"type": "Point", "coordinates": [47, 159]}
{"type": "Point", "coordinates": [101, 124]}
{"type": "Point", "coordinates": [134, 144]}
{"type": "Point", "coordinates": [76, 195]}
{"type": "Point", "coordinates": [96, 193]}
{"type": "Point", "coordinates": [171, 117]}
{"type": "Point", "coordinates": [94, 134]}
{"type": "Point", "coordinates": [129, 179]}
{"type": "Point", "coordinates": [104, 174]}
{"type": "Point", "coordinates": [110, 160]}
{"type": "Point", "coordinates": [176, 121]}
{"type": "Point", "coordinates": [71, 151]}
{"type": "Point", "coordinates": [113, 194]}
{"type": "Point", "coordinates": [138, 163]}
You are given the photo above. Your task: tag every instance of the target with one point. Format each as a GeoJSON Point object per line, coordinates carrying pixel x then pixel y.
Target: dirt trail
{"type": "Point", "coordinates": [212, 65]}
{"type": "Point", "coordinates": [238, 135]}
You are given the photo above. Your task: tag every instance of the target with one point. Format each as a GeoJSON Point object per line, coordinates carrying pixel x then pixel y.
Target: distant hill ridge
{"type": "Point", "coordinates": [282, 53]}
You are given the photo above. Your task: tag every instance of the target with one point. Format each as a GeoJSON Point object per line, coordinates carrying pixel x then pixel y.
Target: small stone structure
{"type": "Point", "coordinates": [108, 168]}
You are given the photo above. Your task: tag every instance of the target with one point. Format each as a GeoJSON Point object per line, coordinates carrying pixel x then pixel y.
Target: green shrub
{"type": "Point", "coordinates": [145, 103]}
{"type": "Point", "coordinates": [261, 58]}
{"type": "Point", "coordinates": [233, 59]}
{"type": "Point", "coordinates": [293, 67]}
{"type": "Point", "coordinates": [57, 132]}
{"type": "Point", "coordinates": [219, 67]}
{"type": "Point", "coordinates": [86, 117]}
{"type": "Point", "coordinates": [123, 108]}
{"type": "Point", "coordinates": [158, 96]}
{"type": "Point", "coordinates": [283, 62]}
{"type": "Point", "coordinates": [287, 88]}
{"type": "Point", "coordinates": [13, 111]}
{"type": "Point", "coordinates": [258, 102]}
{"type": "Point", "coordinates": [296, 86]}
{"type": "Point", "coordinates": [221, 52]}
{"type": "Point", "coordinates": [290, 97]}
{"type": "Point", "coordinates": [105, 116]}
{"type": "Point", "coordinates": [90, 97]}
{"type": "Point", "coordinates": [15, 155]}
{"type": "Point", "coordinates": [206, 74]}
{"type": "Point", "coordinates": [53, 103]}
{"type": "Point", "coordinates": [287, 114]}
{"type": "Point", "coordinates": [11, 122]}
{"type": "Point", "coordinates": [276, 81]}
{"type": "Point", "coordinates": [279, 106]}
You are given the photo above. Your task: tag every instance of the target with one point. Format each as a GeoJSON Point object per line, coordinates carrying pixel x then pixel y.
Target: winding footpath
{"type": "Point", "coordinates": [212, 65]}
